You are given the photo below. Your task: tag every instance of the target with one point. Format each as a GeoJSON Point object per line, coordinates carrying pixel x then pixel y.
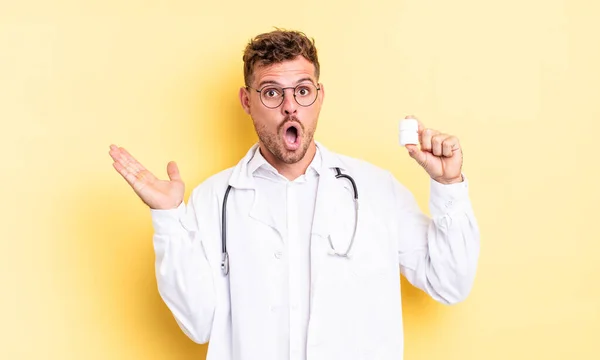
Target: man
{"type": "Point", "coordinates": [272, 259]}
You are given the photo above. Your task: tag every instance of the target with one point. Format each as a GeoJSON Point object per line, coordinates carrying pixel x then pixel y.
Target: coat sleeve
{"type": "Point", "coordinates": [438, 254]}
{"type": "Point", "coordinates": [183, 272]}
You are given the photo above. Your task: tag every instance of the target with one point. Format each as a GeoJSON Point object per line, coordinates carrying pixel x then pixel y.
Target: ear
{"type": "Point", "coordinates": [245, 99]}
{"type": "Point", "coordinates": [321, 92]}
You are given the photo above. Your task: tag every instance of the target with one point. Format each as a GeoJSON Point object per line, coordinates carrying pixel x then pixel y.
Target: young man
{"type": "Point", "coordinates": [280, 257]}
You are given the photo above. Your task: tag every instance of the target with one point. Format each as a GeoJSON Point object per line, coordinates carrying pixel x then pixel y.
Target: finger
{"type": "Point", "coordinates": [436, 144]}
{"type": "Point", "coordinates": [132, 161]}
{"type": "Point", "coordinates": [426, 136]}
{"type": "Point", "coordinates": [173, 171]}
{"type": "Point", "coordinates": [418, 155]}
{"type": "Point", "coordinates": [134, 172]}
{"type": "Point", "coordinates": [114, 153]}
{"type": "Point", "coordinates": [118, 156]}
{"type": "Point", "coordinates": [120, 162]}
{"type": "Point", "coordinates": [127, 164]}
{"type": "Point", "coordinates": [125, 173]}
{"type": "Point", "coordinates": [137, 170]}
{"type": "Point", "coordinates": [450, 145]}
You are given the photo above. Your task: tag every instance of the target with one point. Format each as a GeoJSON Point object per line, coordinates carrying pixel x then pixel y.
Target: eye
{"type": "Point", "coordinates": [303, 91]}
{"type": "Point", "coordinates": [271, 92]}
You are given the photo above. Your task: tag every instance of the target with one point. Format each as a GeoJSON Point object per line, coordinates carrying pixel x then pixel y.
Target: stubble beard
{"type": "Point", "coordinates": [274, 141]}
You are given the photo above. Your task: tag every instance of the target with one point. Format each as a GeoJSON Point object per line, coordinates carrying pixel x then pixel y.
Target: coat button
{"type": "Point", "coordinates": [278, 254]}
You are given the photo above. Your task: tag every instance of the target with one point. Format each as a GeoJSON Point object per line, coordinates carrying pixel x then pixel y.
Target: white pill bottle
{"type": "Point", "coordinates": [408, 131]}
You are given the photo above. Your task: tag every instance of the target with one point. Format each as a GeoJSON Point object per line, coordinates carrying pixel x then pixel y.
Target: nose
{"type": "Point", "coordinates": [289, 106]}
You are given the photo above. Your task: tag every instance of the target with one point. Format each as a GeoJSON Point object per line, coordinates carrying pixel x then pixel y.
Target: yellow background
{"type": "Point", "coordinates": [517, 81]}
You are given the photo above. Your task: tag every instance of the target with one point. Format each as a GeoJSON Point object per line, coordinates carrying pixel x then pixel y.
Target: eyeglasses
{"type": "Point", "coordinates": [272, 96]}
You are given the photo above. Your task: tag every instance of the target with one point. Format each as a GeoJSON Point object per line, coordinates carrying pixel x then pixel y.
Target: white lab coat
{"type": "Point", "coordinates": [355, 303]}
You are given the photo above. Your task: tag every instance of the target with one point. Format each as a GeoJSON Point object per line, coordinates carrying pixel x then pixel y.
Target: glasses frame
{"type": "Point", "coordinates": [259, 91]}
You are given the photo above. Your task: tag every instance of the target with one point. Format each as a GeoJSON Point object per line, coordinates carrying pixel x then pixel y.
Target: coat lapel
{"type": "Point", "coordinates": [243, 179]}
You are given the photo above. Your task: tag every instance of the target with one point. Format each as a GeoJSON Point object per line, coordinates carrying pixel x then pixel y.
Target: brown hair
{"type": "Point", "coordinates": [278, 46]}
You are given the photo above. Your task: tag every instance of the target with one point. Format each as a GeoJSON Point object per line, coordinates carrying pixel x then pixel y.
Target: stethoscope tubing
{"type": "Point", "coordinates": [225, 255]}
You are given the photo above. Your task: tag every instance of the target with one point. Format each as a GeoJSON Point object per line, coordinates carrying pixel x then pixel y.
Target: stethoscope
{"type": "Point", "coordinates": [225, 255]}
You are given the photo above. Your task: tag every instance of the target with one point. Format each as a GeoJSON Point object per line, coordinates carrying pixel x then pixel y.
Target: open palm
{"type": "Point", "coordinates": [156, 193]}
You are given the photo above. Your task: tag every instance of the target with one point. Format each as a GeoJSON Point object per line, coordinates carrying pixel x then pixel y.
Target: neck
{"type": "Point", "coordinates": [290, 171]}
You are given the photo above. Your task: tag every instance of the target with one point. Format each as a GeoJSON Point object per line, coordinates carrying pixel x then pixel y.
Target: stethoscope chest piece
{"type": "Point", "coordinates": [225, 264]}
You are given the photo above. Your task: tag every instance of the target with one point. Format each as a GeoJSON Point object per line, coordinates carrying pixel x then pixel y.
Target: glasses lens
{"type": "Point", "coordinates": [271, 96]}
{"type": "Point", "coordinates": [305, 94]}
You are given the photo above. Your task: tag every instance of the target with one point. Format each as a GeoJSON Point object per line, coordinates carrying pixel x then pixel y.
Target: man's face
{"type": "Point", "coordinates": [287, 130]}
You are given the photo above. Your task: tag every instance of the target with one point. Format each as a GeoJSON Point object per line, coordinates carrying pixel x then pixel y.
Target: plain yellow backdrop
{"type": "Point", "coordinates": [517, 81]}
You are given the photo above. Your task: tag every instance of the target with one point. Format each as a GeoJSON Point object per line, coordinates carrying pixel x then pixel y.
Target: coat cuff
{"type": "Point", "coordinates": [167, 222]}
{"type": "Point", "coordinates": [448, 198]}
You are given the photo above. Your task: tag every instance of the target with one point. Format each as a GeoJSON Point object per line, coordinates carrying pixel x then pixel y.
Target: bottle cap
{"type": "Point", "coordinates": [409, 124]}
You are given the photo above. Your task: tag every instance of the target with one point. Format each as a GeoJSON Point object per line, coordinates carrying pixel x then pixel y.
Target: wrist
{"type": "Point", "coordinates": [450, 181]}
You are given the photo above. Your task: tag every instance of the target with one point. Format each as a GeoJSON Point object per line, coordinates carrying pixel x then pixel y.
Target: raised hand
{"type": "Point", "coordinates": [156, 193]}
{"type": "Point", "coordinates": [440, 155]}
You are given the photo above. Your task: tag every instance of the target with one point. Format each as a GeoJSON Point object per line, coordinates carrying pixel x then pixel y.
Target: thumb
{"type": "Point", "coordinates": [173, 171]}
{"type": "Point", "coordinates": [417, 154]}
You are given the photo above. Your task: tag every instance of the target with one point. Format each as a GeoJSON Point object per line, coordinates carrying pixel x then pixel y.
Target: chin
{"type": "Point", "coordinates": [291, 156]}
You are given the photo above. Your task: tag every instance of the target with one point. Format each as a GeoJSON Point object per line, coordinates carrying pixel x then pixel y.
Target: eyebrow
{"type": "Point", "coordinates": [273, 82]}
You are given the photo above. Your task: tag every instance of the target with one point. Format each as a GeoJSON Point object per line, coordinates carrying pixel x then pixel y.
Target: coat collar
{"type": "Point", "coordinates": [242, 174]}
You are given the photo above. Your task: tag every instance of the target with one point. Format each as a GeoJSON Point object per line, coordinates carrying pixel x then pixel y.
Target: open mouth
{"type": "Point", "coordinates": [291, 136]}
